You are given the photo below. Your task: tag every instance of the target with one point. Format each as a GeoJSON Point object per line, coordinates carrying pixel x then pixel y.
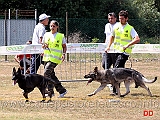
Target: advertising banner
{"type": "Point", "coordinates": [76, 48]}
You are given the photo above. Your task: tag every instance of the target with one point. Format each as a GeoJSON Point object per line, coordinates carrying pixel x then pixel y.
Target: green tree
{"type": "Point", "coordinates": [75, 8]}
{"type": "Point", "coordinates": [146, 9]}
{"type": "Point", "coordinates": [157, 5]}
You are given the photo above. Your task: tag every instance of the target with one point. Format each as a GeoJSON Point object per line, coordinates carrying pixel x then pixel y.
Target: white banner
{"type": "Point", "coordinates": [20, 49]}
{"type": "Point", "coordinates": [146, 48]}
{"type": "Point", "coordinates": [75, 48]}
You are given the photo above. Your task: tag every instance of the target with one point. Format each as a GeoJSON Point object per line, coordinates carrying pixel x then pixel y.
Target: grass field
{"type": "Point", "coordinates": [77, 105]}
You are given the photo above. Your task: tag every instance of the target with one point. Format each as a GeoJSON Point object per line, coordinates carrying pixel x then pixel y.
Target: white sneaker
{"type": "Point", "coordinates": [46, 95]}
{"type": "Point", "coordinates": [62, 95]}
{"type": "Point", "coordinates": [110, 87]}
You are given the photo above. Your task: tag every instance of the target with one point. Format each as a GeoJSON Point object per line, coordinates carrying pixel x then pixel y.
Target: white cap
{"type": "Point", "coordinates": [43, 16]}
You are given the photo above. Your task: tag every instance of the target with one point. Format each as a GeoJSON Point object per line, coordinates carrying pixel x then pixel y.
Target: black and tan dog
{"type": "Point", "coordinates": [115, 76]}
{"type": "Point", "coordinates": [29, 81]}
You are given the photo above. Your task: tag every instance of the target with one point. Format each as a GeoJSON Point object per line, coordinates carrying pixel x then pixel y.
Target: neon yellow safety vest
{"type": "Point", "coordinates": [54, 53]}
{"type": "Point", "coordinates": [122, 38]}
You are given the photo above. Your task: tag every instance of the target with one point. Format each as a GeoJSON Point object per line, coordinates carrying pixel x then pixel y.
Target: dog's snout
{"type": "Point", "coordinates": [86, 76]}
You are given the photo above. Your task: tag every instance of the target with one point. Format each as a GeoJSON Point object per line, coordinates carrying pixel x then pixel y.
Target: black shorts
{"type": "Point", "coordinates": [108, 59]}
{"type": "Point", "coordinates": [121, 59]}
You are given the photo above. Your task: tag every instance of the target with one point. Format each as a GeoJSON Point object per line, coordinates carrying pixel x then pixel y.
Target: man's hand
{"type": "Point", "coordinates": [107, 49]}
{"type": "Point", "coordinates": [125, 47]}
{"type": "Point", "coordinates": [44, 46]}
{"type": "Point", "coordinates": [63, 57]}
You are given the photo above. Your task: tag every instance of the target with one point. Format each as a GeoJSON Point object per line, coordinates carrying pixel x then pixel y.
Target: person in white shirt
{"type": "Point", "coordinates": [38, 34]}
{"type": "Point", "coordinates": [108, 59]}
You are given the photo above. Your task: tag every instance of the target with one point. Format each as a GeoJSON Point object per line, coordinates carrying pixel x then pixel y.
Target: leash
{"type": "Point", "coordinates": [105, 62]}
{"type": "Point", "coordinates": [129, 58]}
{"type": "Point", "coordinates": [80, 80]}
{"type": "Point", "coordinates": [130, 61]}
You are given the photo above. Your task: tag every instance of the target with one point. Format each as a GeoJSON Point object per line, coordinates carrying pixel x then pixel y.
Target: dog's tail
{"type": "Point", "coordinates": [149, 81]}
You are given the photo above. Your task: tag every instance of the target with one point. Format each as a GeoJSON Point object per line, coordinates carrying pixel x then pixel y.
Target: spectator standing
{"type": "Point", "coordinates": [108, 59]}
{"type": "Point", "coordinates": [19, 59]}
{"type": "Point", "coordinates": [38, 34]}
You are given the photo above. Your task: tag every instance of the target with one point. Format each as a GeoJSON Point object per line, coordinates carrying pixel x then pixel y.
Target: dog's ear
{"type": "Point", "coordinates": [14, 69]}
{"type": "Point", "coordinates": [19, 71]}
{"type": "Point", "coordinates": [95, 69]}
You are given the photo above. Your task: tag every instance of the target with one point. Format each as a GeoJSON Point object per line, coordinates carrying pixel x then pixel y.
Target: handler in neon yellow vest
{"type": "Point", "coordinates": [54, 53]}
{"type": "Point", "coordinates": [54, 45]}
{"type": "Point", "coordinates": [123, 37]}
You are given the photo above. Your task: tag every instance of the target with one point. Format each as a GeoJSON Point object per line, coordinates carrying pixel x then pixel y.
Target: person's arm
{"type": "Point", "coordinates": [64, 51]}
{"type": "Point", "coordinates": [44, 44]}
{"type": "Point", "coordinates": [64, 48]}
{"type": "Point", "coordinates": [41, 34]}
{"type": "Point", "coordinates": [40, 40]}
{"type": "Point", "coordinates": [134, 41]}
{"type": "Point", "coordinates": [17, 58]}
{"type": "Point", "coordinates": [111, 40]}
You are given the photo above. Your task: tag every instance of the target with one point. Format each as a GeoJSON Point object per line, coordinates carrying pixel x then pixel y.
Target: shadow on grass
{"type": "Point", "coordinates": [142, 94]}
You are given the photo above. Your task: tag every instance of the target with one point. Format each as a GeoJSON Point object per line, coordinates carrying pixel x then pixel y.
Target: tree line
{"type": "Point", "coordinates": [86, 8]}
{"type": "Point", "coordinates": [144, 15]}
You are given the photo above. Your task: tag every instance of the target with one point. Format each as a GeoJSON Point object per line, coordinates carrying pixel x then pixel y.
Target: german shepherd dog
{"type": "Point", "coordinates": [29, 81]}
{"type": "Point", "coordinates": [115, 76]}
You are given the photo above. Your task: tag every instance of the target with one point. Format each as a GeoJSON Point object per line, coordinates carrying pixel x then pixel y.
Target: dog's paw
{"type": "Point", "coordinates": [27, 101]}
{"type": "Point", "coordinates": [90, 94]}
{"type": "Point", "coordinates": [49, 101]}
{"type": "Point", "coordinates": [136, 86]}
{"type": "Point", "coordinates": [112, 94]}
{"type": "Point", "coordinates": [42, 101]}
{"type": "Point", "coordinates": [122, 95]}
